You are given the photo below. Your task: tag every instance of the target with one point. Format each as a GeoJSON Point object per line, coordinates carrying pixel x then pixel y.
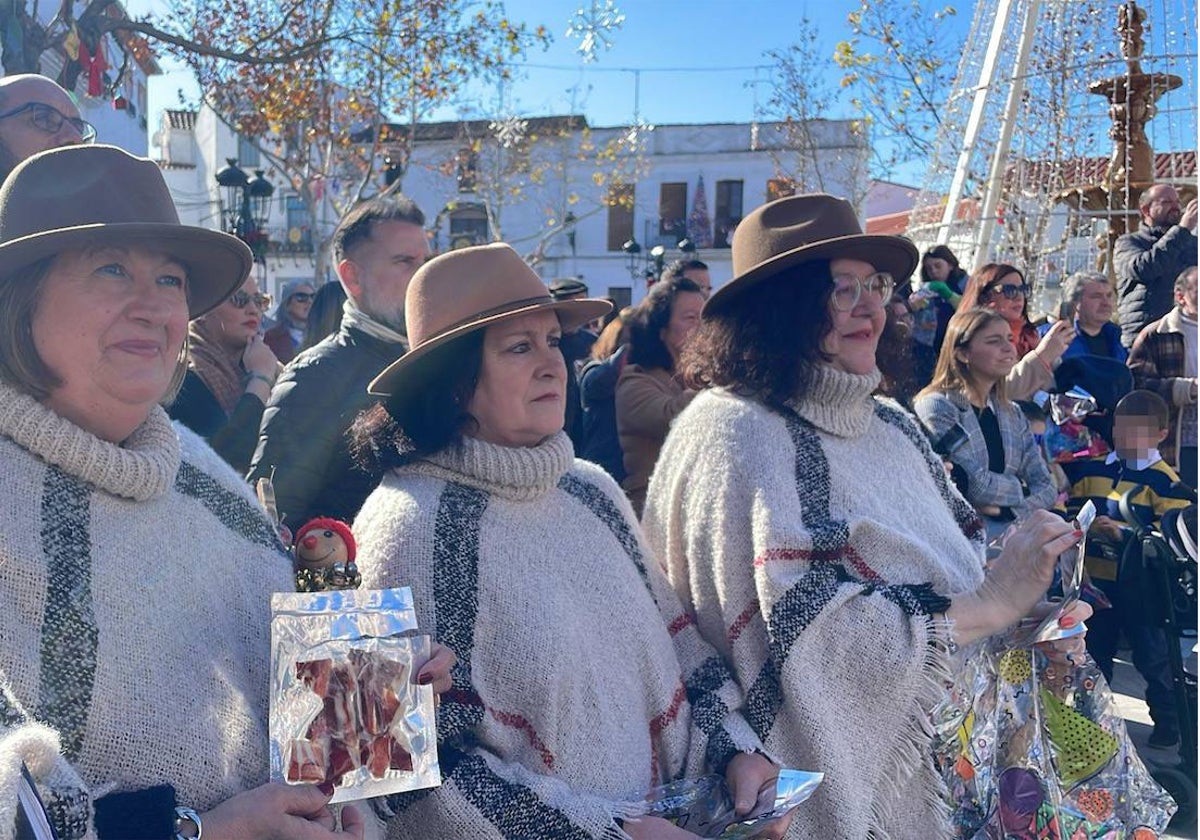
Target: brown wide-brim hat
{"type": "Point", "coordinates": [799, 229]}
{"type": "Point", "coordinates": [466, 290]}
{"type": "Point", "coordinates": [102, 195]}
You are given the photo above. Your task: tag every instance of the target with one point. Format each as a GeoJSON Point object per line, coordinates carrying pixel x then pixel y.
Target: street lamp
{"type": "Point", "coordinates": [658, 258]}
{"type": "Point", "coordinates": [688, 247]}
{"type": "Point", "coordinates": [632, 251]}
{"type": "Point", "coordinates": [246, 207]}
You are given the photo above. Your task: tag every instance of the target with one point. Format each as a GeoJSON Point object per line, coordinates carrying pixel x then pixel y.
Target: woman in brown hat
{"type": "Point", "coordinates": [814, 531]}
{"type": "Point", "coordinates": [581, 680]}
{"type": "Point", "coordinates": [135, 565]}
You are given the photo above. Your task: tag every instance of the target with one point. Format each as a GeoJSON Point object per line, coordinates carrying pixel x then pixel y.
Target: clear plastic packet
{"type": "Point", "coordinates": [1070, 573]}
{"type": "Point", "coordinates": [345, 705]}
{"type": "Point", "coordinates": [704, 806]}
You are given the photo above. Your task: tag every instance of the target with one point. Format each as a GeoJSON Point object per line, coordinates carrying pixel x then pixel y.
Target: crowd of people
{"type": "Point", "coordinates": [803, 498]}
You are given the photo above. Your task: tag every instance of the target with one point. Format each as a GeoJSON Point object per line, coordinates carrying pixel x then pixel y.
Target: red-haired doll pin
{"type": "Point", "coordinates": [324, 550]}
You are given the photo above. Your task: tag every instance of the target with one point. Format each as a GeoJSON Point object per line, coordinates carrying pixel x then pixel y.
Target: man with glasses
{"type": "Point", "coordinates": [37, 115]}
{"type": "Point", "coordinates": [1147, 261]}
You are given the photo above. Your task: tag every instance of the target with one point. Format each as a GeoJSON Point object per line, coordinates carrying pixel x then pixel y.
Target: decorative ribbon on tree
{"type": "Point", "coordinates": [699, 226]}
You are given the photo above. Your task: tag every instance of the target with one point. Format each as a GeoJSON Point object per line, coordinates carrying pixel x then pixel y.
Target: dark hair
{"type": "Point", "coordinates": [1144, 404]}
{"type": "Point", "coordinates": [768, 343]}
{"type": "Point", "coordinates": [1033, 412]}
{"type": "Point", "coordinates": [678, 267]}
{"type": "Point", "coordinates": [432, 416]}
{"type": "Point", "coordinates": [894, 357]}
{"type": "Point", "coordinates": [646, 347]}
{"type": "Point", "coordinates": [940, 252]}
{"type": "Point", "coordinates": [20, 364]}
{"type": "Point", "coordinates": [978, 291]}
{"type": "Point", "coordinates": [357, 225]}
{"type": "Point", "coordinates": [325, 315]}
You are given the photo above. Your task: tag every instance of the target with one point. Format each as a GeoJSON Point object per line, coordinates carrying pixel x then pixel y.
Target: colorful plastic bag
{"type": "Point", "coordinates": [1031, 745]}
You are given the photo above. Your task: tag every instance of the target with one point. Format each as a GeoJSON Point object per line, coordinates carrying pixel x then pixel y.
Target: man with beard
{"type": "Point", "coordinates": [36, 115]}
{"type": "Point", "coordinates": [302, 443]}
{"type": "Point", "coordinates": [1148, 260]}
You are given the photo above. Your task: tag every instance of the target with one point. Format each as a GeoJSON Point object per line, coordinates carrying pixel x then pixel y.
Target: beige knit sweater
{"type": "Point", "coordinates": [134, 611]}
{"type": "Point", "coordinates": [581, 682]}
{"type": "Point", "coordinates": [815, 543]}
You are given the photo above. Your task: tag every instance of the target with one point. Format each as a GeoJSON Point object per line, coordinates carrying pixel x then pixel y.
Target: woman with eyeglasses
{"type": "Point", "coordinates": [1002, 288]}
{"type": "Point", "coordinates": [967, 401]}
{"type": "Point", "coordinates": [230, 374]}
{"type": "Point", "coordinates": [813, 533]}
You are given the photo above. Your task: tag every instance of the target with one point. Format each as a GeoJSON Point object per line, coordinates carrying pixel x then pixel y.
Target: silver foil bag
{"type": "Point", "coordinates": [705, 807]}
{"type": "Point", "coordinates": [345, 704]}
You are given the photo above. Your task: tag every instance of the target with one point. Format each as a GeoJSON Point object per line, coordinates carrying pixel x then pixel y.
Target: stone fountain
{"type": "Point", "coordinates": [1132, 101]}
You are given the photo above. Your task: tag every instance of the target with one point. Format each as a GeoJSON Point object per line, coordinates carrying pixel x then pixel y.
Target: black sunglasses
{"type": "Point", "coordinates": [49, 119]}
{"type": "Point", "coordinates": [241, 299]}
{"type": "Point", "coordinates": [302, 297]}
{"type": "Point", "coordinates": [1010, 291]}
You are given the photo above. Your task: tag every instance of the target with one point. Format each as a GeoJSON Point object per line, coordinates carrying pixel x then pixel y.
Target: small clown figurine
{"type": "Point", "coordinates": [325, 550]}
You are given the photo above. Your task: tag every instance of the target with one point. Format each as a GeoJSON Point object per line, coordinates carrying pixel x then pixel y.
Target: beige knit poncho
{"type": "Point", "coordinates": [814, 544]}
{"type": "Point", "coordinates": [134, 614]}
{"type": "Point", "coordinates": [580, 681]}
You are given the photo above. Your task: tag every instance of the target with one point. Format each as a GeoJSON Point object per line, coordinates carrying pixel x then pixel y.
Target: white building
{"type": "Point", "coordinates": [115, 103]}
{"type": "Point", "coordinates": [567, 196]}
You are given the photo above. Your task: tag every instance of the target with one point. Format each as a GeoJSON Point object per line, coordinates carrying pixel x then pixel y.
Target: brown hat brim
{"type": "Point", "coordinates": [405, 374]}
{"type": "Point", "coordinates": [217, 263]}
{"type": "Point", "coordinates": [893, 254]}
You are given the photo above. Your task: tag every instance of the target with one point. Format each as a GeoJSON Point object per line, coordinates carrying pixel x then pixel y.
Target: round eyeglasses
{"type": "Point", "coordinates": [49, 119]}
{"type": "Point", "coordinates": [848, 289]}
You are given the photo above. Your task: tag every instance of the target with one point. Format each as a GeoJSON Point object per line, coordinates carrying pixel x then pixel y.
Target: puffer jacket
{"type": "Point", "coordinates": [303, 434]}
{"type": "Point", "coordinates": [1147, 262]}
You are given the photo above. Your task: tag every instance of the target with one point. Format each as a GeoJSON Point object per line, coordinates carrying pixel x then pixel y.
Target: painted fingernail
{"type": "Point", "coordinates": [326, 788]}
{"type": "Point", "coordinates": [1078, 533]}
{"type": "Point", "coordinates": [424, 679]}
{"type": "Point", "coordinates": [1066, 621]}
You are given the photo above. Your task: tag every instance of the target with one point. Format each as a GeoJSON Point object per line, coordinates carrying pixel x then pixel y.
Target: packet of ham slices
{"type": "Point", "coordinates": [345, 704]}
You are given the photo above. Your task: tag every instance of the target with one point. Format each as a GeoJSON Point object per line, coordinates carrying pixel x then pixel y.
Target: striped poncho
{"type": "Point", "coordinates": [816, 544]}
{"type": "Point", "coordinates": [135, 586]}
{"type": "Point", "coordinates": [580, 681]}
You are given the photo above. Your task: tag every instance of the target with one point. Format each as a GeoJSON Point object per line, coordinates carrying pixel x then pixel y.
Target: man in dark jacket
{"type": "Point", "coordinates": [1147, 261]}
{"type": "Point", "coordinates": [302, 443]}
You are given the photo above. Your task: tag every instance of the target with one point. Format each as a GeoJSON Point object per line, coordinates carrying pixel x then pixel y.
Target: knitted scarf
{"type": "Point", "coordinates": [220, 370]}
{"type": "Point", "coordinates": [817, 542]}
{"type": "Point", "coordinates": [581, 680]}
{"type": "Point", "coordinates": [134, 612]}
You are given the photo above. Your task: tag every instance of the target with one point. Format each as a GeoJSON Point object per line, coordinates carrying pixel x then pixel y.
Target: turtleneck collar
{"type": "Point", "coordinates": [521, 473]}
{"type": "Point", "coordinates": [141, 468]}
{"type": "Point", "coordinates": [837, 402]}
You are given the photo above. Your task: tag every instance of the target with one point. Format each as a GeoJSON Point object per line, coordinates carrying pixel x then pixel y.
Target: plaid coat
{"type": "Point", "coordinates": [1025, 485]}
{"type": "Point", "coordinates": [1158, 362]}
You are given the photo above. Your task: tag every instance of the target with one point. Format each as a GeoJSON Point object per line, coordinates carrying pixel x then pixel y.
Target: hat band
{"type": "Point", "coordinates": [495, 310]}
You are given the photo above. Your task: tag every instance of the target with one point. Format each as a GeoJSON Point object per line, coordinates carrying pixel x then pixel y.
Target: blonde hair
{"type": "Point", "coordinates": [951, 373]}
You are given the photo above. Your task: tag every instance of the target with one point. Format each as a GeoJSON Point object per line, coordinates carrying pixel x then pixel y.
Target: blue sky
{"type": "Point", "coordinates": [696, 60]}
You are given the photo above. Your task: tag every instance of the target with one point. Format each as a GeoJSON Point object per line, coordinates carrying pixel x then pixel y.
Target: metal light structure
{"type": "Point", "coordinates": [246, 207]}
{"type": "Point", "coordinates": [633, 250]}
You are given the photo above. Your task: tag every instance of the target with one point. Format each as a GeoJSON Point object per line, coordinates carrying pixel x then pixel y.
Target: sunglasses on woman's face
{"type": "Point", "coordinates": [302, 297]}
{"type": "Point", "coordinates": [1011, 291]}
{"type": "Point", "coordinates": [242, 299]}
